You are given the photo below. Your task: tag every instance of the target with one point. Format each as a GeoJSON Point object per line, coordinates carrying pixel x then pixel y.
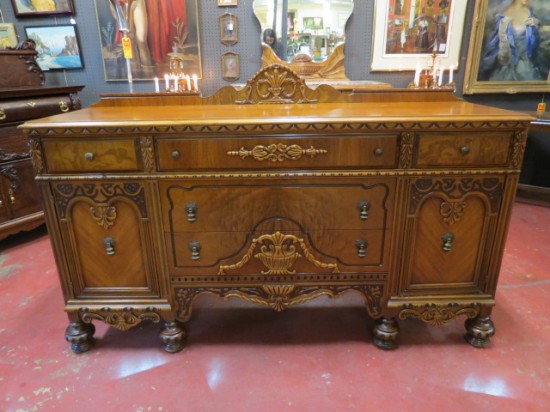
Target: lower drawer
{"type": "Point", "coordinates": [278, 253]}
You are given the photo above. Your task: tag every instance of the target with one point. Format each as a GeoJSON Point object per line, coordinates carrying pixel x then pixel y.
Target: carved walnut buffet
{"type": "Point", "coordinates": [403, 197]}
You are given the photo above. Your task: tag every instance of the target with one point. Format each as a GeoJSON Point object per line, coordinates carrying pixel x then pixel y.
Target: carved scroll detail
{"type": "Point", "coordinates": [147, 153]}
{"type": "Point", "coordinates": [99, 193]}
{"type": "Point", "coordinates": [405, 157]}
{"type": "Point", "coordinates": [36, 156]}
{"type": "Point", "coordinates": [520, 141]}
{"type": "Point", "coordinates": [104, 215]}
{"type": "Point", "coordinates": [277, 152]}
{"type": "Point", "coordinates": [456, 188]}
{"type": "Point", "coordinates": [452, 211]}
{"type": "Point", "coordinates": [122, 319]}
{"type": "Point", "coordinates": [438, 315]}
{"type": "Point", "coordinates": [280, 296]}
{"type": "Point", "coordinates": [278, 253]}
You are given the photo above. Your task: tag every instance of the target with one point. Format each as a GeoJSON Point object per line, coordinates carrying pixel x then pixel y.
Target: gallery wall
{"type": "Point", "coordinates": [358, 52]}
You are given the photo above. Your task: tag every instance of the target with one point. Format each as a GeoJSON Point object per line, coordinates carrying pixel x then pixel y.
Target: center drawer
{"type": "Point", "coordinates": [376, 151]}
{"type": "Point", "coordinates": [349, 204]}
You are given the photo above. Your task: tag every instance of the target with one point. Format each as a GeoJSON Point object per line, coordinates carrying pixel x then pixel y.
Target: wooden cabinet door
{"type": "Point", "coordinates": [106, 230]}
{"type": "Point", "coordinates": [20, 192]}
{"type": "Point", "coordinates": [448, 235]}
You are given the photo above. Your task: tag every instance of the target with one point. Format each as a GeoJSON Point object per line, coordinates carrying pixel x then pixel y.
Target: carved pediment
{"type": "Point", "coordinates": [277, 84]}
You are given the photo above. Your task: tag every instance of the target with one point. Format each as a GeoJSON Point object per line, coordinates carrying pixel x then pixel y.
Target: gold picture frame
{"type": "Point", "coordinates": [229, 29]}
{"type": "Point", "coordinates": [231, 66]}
{"type": "Point", "coordinates": [498, 65]}
{"type": "Point", "coordinates": [222, 3]}
{"type": "Point", "coordinates": [8, 38]}
{"type": "Point", "coordinates": [398, 43]}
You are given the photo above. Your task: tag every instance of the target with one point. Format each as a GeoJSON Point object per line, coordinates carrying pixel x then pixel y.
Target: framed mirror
{"type": "Point", "coordinates": [306, 35]}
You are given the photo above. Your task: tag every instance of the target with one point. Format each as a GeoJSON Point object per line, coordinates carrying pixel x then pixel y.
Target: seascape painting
{"type": "Point", "coordinates": [57, 46]}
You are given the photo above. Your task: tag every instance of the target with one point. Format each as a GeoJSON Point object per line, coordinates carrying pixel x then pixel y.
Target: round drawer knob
{"type": "Point", "coordinates": [378, 151]}
{"type": "Point", "coordinates": [175, 154]}
{"type": "Point", "coordinates": [89, 156]}
{"type": "Point", "coordinates": [464, 150]}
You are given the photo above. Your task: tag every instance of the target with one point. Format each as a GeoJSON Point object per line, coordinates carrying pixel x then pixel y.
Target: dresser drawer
{"type": "Point", "coordinates": [17, 110]}
{"type": "Point", "coordinates": [353, 203]}
{"type": "Point", "coordinates": [378, 151]}
{"type": "Point", "coordinates": [91, 155]}
{"type": "Point", "coordinates": [463, 149]}
{"type": "Point", "coordinates": [242, 253]}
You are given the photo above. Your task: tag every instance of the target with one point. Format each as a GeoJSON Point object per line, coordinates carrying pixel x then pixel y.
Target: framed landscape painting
{"type": "Point", "coordinates": [57, 46]}
{"type": "Point", "coordinates": [509, 48]}
{"type": "Point", "coordinates": [160, 31]}
{"type": "Point", "coordinates": [407, 33]}
{"type": "Point", "coordinates": [32, 8]}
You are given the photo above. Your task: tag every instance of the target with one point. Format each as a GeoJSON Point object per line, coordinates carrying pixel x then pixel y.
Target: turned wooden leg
{"type": "Point", "coordinates": [173, 335]}
{"type": "Point", "coordinates": [80, 335]}
{"type": "Point", "coordinates": [479, 330]}
{"type": "Point", "coordinates": [385, 333]}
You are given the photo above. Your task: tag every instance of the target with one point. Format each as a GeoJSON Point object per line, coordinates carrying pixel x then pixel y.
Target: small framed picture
{"type": "Point", "coordinates": [30, 8]}
{"type": "Point", "coordinates": [231, 66]}
{"type": "Point", "coordinates": [227, 3]}
{"type": "Point", "coordinates": [229, 29]}
{"type": "Point", "coordinates": [57, 46]}
{"type": "Point", "coordinates": [7, 35]}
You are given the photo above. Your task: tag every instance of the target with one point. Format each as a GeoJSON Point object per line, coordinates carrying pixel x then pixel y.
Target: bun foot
{"type": "Point", "coordinates": [80, 335]}
{"type": "Point", "coordinates": [173, 335]}
{"type": "Point", "coordinates": [385, 333]}
{"type": "Point", "coordinates": [480, 330]}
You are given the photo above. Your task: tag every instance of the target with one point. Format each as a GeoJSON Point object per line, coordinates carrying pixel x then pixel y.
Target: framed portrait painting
{"type": "Point", "coordinates": [159, 32]}
{"type": "Point", "coordinates": [57, 46]}
{"type": "Point", "coordinates": [230, 66]}
{"type": "Point", "coordinates": [31, 8]}
{"type": "Point", "coordinates": [509, 47]}
{"type": "Point", "coordinates": [408, 32]}
{"type": "Point", "coordinates": [7, 35]}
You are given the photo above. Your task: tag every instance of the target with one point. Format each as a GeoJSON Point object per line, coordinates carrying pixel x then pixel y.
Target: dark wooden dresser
{"type": "Point", "coordinates": [278, 194]}
{"type": "Point", "coordinates": [23, 97]}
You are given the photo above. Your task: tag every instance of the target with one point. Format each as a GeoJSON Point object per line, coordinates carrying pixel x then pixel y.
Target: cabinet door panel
{"type": "Point", "coordinates": [458, 261]}
{"type": "Point", "coordinates": [123, 268]}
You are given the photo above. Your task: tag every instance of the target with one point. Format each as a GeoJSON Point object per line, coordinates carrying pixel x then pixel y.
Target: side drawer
{"type": "Point", "coordinates": [463, 149]}
{"type": "Point", "coordinates": [17, 110]}
{"type": "Point", "coordinates": [91, 155]}
{"type": "Point", "coordinates": [306, 152]}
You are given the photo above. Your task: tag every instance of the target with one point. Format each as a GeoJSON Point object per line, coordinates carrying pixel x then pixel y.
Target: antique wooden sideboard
{"type": "Point", "coordinates": [23, 97]}
{"type": "Point", "coordinates": [277, 194]}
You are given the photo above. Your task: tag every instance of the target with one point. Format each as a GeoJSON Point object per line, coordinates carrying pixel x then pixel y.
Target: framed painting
{"type": "Point", "coordinates": [32, 8]}
{"type": "Point", "coordinates": [408, 32]}
{"type": "Point", "coordinates": [230, 66]}
{"type": "Point", "coordinates": [7, 35]}
{"type": "Point", "coordinates": [509, 48]}
{"type": "Point", "coordinates": [227, 3]}
{"type": "Point", "coordinates": [229, 29]}
{"type": "Point", "coordinates": [57, 46]}
{"type": "Point", "coordinates": [159, 32]}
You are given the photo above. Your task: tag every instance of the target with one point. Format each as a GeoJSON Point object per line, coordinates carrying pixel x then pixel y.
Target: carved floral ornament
{"type": "Point", "coordinates": [438, 315]}
{"type": "Point", "coordinates": [122, 319]}
{"type": "Point", "coordinates": [277, 152]}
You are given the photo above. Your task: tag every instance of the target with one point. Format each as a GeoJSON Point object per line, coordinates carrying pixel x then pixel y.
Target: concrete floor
{"type": "Point", "coordinates": [316, 357]}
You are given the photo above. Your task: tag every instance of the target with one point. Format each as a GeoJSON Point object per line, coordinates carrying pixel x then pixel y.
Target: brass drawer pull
{"type": "Point", "coordinates": [63, 106]}
{"type": "Point", "coordinates": [195, 248]}
{"type": "Point", "coordinates": [11, 194]}
{"type": "Point", "coordinates": [361, 245]}
{"type": "Point", "coordinates": [191, 210]}
{"type": "Point", "coordinates": [175, 154]}
{"type": "Point", "coordinates": [378, 151]}
{"type": "Point", "coordinates": [465, 150]}
{"type": "Point", "coordinates": [3, 115]}
{"type": "Point", "coordinates": [109, 244]}
{"type": "Point", "coordinates": [277, 152]}
{"type": "Point", "coordinates": [363, 207]}
{"type": "Point", "coordinates": [89, 156]}
{"type": "Point", "coordinates": [1, 203]}
{"type": "Point", "coordinates": [447, 239]}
